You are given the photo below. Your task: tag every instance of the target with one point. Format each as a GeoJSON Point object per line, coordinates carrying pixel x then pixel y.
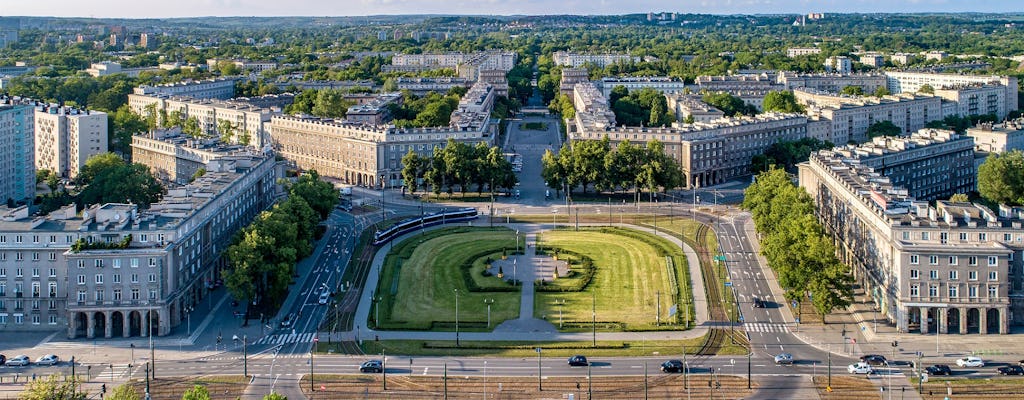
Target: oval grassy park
{"type": "Point", "coordinates": [623, 275]}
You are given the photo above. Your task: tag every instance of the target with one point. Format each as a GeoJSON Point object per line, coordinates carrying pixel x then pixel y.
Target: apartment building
{"type": "Point", "coordinates": [570, 77]}
{"type": "Point", "coordinates": [873, 59]}
{"type": "Point", "coordinates": [250, 124]}
{"type": "Point", "coordinates": [952, 268]}
{"type": "Point", "coordinates": [243, 64]}
{"type": "Point", "coordinates": [17, 149]}
{"type": "Point", "coordinates": [751, 88]}
{"type": "Point", "coordinates": [839, 64]}
{"type": "Point", "coordinates": [422, 86]}
{"type": "Point", "coordinates": [373, 112]}
{"type": "Point", "coordinates": [976, 99]}
{"type": "Point", "coordinates": [576, 60]}
{"type": "Point", "coordinates": [216, 88]}
{"type": "Point", "coordinates": [174, 158]}
{"type": "Point", "coordinates": [903, 58]}
{"type": "Point", "coordinates": [77, 271]}
{"type": "Point", "coordinates": [899, 82]}
{"type": "Point", "coordinates": [367, 155]}
{"type": "Point", "coordinates": [998, 138]}
{"type": "Point", "coordinates": [65, 138]}
{"type": "Point", "coordinates": [849, 117]}
{"type": "Point", "coordinates": [802, 51]}
{"type": "Point", "coordinates": [686, 106]}
{"type": "Point", "coordinates": [869, 83]}
{"type": "Point", "coordinates": [662, 84]}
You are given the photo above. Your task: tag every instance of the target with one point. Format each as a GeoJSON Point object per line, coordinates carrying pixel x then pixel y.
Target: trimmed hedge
{"type": "Point", "coordinates": [574, 284]}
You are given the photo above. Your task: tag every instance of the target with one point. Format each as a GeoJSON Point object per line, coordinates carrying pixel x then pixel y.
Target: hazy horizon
{"type": "Point", "coordinates": [300, 8]}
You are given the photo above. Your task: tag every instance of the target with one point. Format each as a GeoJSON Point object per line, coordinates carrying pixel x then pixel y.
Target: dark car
{"type": "Point", "coordinates": [939, 369]}
{"type": "Point", "coordinates": [758, 303]}
{"type": "Point", "coordinates": [578, 361]}
{"type": "Point", "coordinates": [1011, 370]}
{"type": "Point", "coordinates": [673, 366]}
{"type": "Point", "coordinates": [3, 359]}
{"type": "Point", "coordinates": [874, 359]}
{"type": "Point", "coordinates": [288, 320]}
{"type": "Point", "coordinates": [372, 366]}
{"type": "Point", "coordinates": [1021, 363]}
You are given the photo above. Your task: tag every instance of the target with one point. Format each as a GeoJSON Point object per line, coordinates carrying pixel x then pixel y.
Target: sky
{"type": "Point", "coordinates": [194, 8]}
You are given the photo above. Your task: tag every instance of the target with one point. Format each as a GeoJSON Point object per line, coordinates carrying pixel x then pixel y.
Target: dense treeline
{"type": "Point", "coordinates": [1001, 178]}
{"type": "Point", "coordinates": [263, 256]}
{"type": "Point", "coordinates": [796, 245]}
{"type": "Point", "coordinates": [594, 164]}
{"type": "Point", "coordinates": [787, 154]}
{"type": "Point", "coordinates": [458, 166]}
{"type": "Point", "coordinates": [644, 107]}
{"type": "Point", "coordinates": [105, 178]}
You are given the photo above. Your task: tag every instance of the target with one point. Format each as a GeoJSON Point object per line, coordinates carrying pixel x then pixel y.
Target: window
{"type": "Point", "coordinates": [81, 279]}
{"type": "Point", "coordinates": [53, 272]}
{"type": "Point", "coordinates": [99, 278]}
{"type": "Point", "coordinates": [35, 256]}
{"type": "Point", "coordinates": [135, 293]}
{"type": "Point", "coordinates": [933, 291]}
{"type": "Point", "coordinates": [993, 275]}
{"type": "Point", "coordinates": [954, 260]}
{"type": "Point", "coordinates": [993, 291]}
{"type": "Point", "coordinates": [99, 295]}
{"type": "Point", "coordinates": [35, 289]}
{"type": "Point", "coordinates": [53, 319]}
{"type": "Point", "coordinates": [19, 256]}
{"type": "Point", "coordinates": [915, 291]}
{"type": "Point", "coordinates": [35, 272]}
{"type": "Point", "coordinates": [152, 294]}
{"type": "Point", "coordinates": [117, 278]}
{"type": "Point", "coordinates": [19, 272]}
{"type": "Point", "coordinates": [116, 263]}
{"type": "Point", "coordinates": [914, 274]}
{"type": "Point", "coordinates": [925, 236]}
{"type": "Point", "coordinates": [953, 275]}
{"type": "Point", "coordinates": [53, 289]}
{"type": "Point", "coordinates": [81, 263]}
{"type": "Point", "coordinates": [53, 256]}
{"type": "Point", "coordinates": [914, 259]}
{"type": "Point", "coordinates": [943, 237]}
{"type": "Point", "coordinates": [18, 318]}
{"type": "Point", "coordinates": [3, 288]}
{"type": "Point", "coordinates": [135, 278]}
{"type": "Point", "coordinates": [152, 278]}
{"type": "Point", "coordinates": [117, 294]}
{"type": "Point", "coordinates": [81, 296]}
{"type": "Point", "coordinates": [963, 236]}
{"type": "Point", "coordinates": [53, 305]}
{"type": "Point", "coordinates": [972, 275]}
{"type": "Point", "coordinates": [983, 237]}
{"type": "Point", "coordinates": [993, 261]}
{"type": "Point", "coordinates": [1007, 237]}
{"type": "Point", "coordinates": [3, 272]}
{"type": "Point", "coordinates": [906, 235]}
{"type": "Point", "coordinates": [972, 260]}
{"type": "Point", "coordinates": [143, 238]}
{"type": "Point", "coordinates": [933, 274]}
{"type": "Point", "coordinates": [152, 262]}
{"type": "Point", "coordinates": [933, 260]}
{"type": "Point", "coordinates": [35, 319]}
{"type": "Point", "coordinates": [135, 262]}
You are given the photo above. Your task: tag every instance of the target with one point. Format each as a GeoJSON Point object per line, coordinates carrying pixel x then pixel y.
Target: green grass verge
{"type": "Point", "coordinates": [417, 287]}
{"type": "Point", "coordinates": [629, 348]}
{"type": "Point", "coordinates": [631, 270]}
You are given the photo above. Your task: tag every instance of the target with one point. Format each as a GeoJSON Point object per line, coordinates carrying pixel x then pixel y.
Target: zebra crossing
{"type": "Point", "coordinates": [765, 327]}
{"type": "Point", "coordinates": [284, 338]}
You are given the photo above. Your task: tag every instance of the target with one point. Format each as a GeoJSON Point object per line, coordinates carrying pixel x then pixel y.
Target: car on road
{"type": "Point", "coordinates": [48, 359]}
{"type": "Point", "coordinates": [971, 362]}
{"type": "Point", "coordinates": [19, 361]}
{"type": "Point", "coordinates": [372, 366]}
{"type": "Point", "coordinates": [874, 359]}
{"type": "Point", "coordinates": [1021, 363]}
{"type": "Point", "coordinates": [3, 359]}
{"type": "Point", "coordinates": [1011, 370]}
{"type": "Point", "coordinates": [784, 358]}
{"type": "Point", "coordinates": [325, 297]}
{"type": "Point", "coordinates": [288, 320]}
{"type": "Point", "coordinates": [672, 366]}
{"type": "Point", "coordinates": [578, 361]}
{"type": "Point", "coordinates": [758, 303]}
{"type": "Point", "coordinates": [939, 369]}
{"type": "Point", "coordinates": [860, 368]}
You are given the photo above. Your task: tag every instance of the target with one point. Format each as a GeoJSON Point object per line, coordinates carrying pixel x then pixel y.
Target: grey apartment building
{"type": "Point", "coordinates": [115, 270]}
{"type": "Point", "coordinates": [949, 268]}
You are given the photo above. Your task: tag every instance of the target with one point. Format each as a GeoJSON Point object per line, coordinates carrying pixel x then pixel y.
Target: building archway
{"type": "Point", "coordinates": [992, 320]}
{"type": "Point", "coordinates": [117, 323]}
{"type": "Point", "coordinates": [154, 323]}
{"type": "Point", "coordinates": [953, 320]}
{"type": "Point", "coordinates": [81, 324]}
{"type": "Point", "coordinates": [134, 323]}
{"type": "Point", "coordinates": [933, 320]}
{"type": "Point", "coordinates": [973, 320]}
{"type": "Point", "coordinates": [914, 320]}
{"type": "Point", "coordinates": [99, 324]}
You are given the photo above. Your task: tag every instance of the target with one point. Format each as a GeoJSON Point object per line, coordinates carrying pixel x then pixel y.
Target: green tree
{"type": "Point", "coordinates": [227, 68]}
{"type": "Point", "coordinates": [275, 396]}
{"type": "Point", "coordinates": [883, 128]}
{"type": "Point", "coordinates": [852, 90]}
{"type": "Point", "coordinates": [49, 177]}
{"type": "Point", "coordinates": [226, 129]}
{"type": "Point", "coordinates": [53, 387]}
{"type": "Point", "coordinates": [729, 104]}
{"type": "Point", "coordinates": [1001, 178]}
{"type": "Point", "coordinates": [321, 195]}
{"type": "Point", "coordinates": [98, 164]}
{"type": "Point", "coordinates": [551, 170]}
{"type": "Point", "coordinates": [881, 92]}
{"type": "Point", "coordinates": [926, 89]}
{"type": "Point", "coordinates": [782, 101]}
{"type": "Point", "coordinates": [959, 198]}
{"type": "Point", "coordinates": [197, 392]}
{"type": "Point", "coordinates": [130, 183]}
{"type": "Point", "coordinates": [123, 124]}
{"type": "Point", "coordinates": [413, 168]}
{"type": "Point", "coordinates": [124, 392]}
{"type": "Point", "coordinates": [191, 127]}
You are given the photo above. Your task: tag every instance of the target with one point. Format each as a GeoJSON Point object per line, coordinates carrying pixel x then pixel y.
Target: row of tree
{"type": "Point", "coordinates": [644, 107]}
{"type": "Point", "coordinates": [796, 245]}
{"type": "Point", "coordinates": [105, 178]}
{"type": "Point", "coordinates": [263, 256]}
{"type": "Point", "coordinates": [59, 387]}
{"type": "Point", "coordinates": [594, 163]}
{"type": "Point", "coordinates": [787, 154]}
{"type": "Point", "coordinates": [458, 166]}
{"type": "Point", "coordinates": [1001, 178]}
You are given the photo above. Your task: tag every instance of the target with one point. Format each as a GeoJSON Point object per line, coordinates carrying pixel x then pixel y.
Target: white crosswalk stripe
{"type": "Point", "coordinates": [765, 327]}
{"type": "Point", "coordinates": [283, 338]}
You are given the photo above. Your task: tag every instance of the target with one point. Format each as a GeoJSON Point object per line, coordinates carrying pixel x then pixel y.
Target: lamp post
{"type": "Point", "coordinates": [554, 212]}
{"type": "Point", "coordinates": [593, 311]}
{"type": "Point", "coordinates": [561, 305]}
{"type": "Point", "coordinates": [245, 356]}
{"type": "Point", "coordinates": [488, 302]}
{"type": "Point", "coordinates": [517, 243]}
{"type": "Point", "coordinates": [382, 215]}
{"type": "Point", "coordinates": [456, 317]}
{"type": "Point", "coordinates": [540, 387]}
{"type": "Point", "coordinates": [188, 318]}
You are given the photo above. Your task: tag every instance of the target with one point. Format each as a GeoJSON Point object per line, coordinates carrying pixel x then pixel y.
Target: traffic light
{"type": "Point", "coordinates": [895, 343]}
{"type": "Point", "coordinates": [103, 388]}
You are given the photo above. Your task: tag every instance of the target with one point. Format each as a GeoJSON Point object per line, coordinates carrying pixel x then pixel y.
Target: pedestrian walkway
{"type": "Point", "coordinates": [765, 327]}
{"type": "Point", "coordinates": [285, 338]}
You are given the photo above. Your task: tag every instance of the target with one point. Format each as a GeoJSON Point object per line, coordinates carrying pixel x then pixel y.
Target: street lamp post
{"type": "Point", "coordinates": [554, 212]}
{"type": "Point", "coordinates": [488, 302]}
{"type": "Point", "coordinates": [540, 387]}
{"type": "Point", "coordinates": [456, 317]}
{"type": "Point", "coordinates": [593, 311]}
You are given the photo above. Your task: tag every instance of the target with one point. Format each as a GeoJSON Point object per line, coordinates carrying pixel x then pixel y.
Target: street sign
{"type": "Point", "coordinates": [673, 310]}
{"type": "Point", "coordinates": [719, 258]}
{"type": "Point", "coordinates": [727, 284]}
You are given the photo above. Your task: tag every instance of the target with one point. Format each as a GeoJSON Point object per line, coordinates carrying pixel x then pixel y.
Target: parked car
{"type": "Point", "coordinates": [372, 366]}
{"type": "Point", "coordinates": [1021, 363]}
{"type": "Point", "coordinates": [19, 361]}
{"type": "Point", "coordinates": [1011, 370]}
{"type": "Point", "coordinates": [578, 361]}
{"type": "Point", "coordinates": [860, 368]}
{"type": "Point", "coordinates": [939, 369]}
{"type": "Point", "coordinates": [288, 320]}
{"type": "Point", "coordinates": [3, 359]}
{"type": "Point", "coordinates": [970, 362]}
{"type": "Point", "coordinates": [784, 358]}
{"type": "Point", "coordinates": [672, 366]}
{"type": "Point", "coordinates": [48, 359]}
{"type": "Point", "coordinates": [874, 359]}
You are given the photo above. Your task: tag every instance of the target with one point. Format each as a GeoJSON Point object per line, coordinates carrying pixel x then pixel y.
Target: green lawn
{"type": "Point", "coordinates": [630, 272]}
{"type": "Point", "coordinates": [630, 348]}
{"type": "Point", "coordinates": [421, 274]}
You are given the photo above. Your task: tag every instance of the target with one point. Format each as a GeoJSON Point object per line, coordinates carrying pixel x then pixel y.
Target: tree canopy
{"type": "Point", "coordinates": [782, 101]}
{"type": "Point", "coordinates": [883, 128]}
{"type": "Point", "coordinates": [458, 166]}
{"type": "Point", "coordinates": [596, 164]}
{"type": "Point", "coordinates": [1001, 178]}
{"type": "Point", "coordinates": [729, 104]}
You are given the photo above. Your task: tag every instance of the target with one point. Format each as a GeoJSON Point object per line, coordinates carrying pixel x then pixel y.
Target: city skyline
{"type": "Point", "coordinates": [223, 8]}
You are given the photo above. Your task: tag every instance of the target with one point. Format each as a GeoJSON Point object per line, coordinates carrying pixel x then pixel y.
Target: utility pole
{"type": "Point", "coordinates": [748, 370]}
{"type": "Point", "coordinates": [645, 380]}
{"type": "Point", "coordinates": [593, 299]}
{"type": "Point", "coordinates": [657, 318]}
{"type": "Point", "coordinates": [245, 356]}
{"type": "Point", "coordinates": [384, 368]}
{"type": "Point", "coordinates": [540, 387]}
{"type": "Point", "coordinates": [147, 381]}
{"type": "Point", "coordinates": [456, 317]}
{"type": "Point", "coordinates": [829, 370]}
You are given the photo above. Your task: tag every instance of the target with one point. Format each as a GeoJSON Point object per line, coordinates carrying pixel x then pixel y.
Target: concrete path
{"type": "Point", "coordinates": [527, 273]}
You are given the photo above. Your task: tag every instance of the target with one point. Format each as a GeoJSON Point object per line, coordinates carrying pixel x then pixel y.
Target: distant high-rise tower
{"type": "Point", "coordinates": [17, 131]}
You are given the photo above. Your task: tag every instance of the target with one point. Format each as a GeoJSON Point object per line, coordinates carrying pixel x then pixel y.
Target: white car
{"type": "Point", "coordinates": [19, 361]}
{"type": "Point", "coordinates": [325, 297]}
{"type": "Point", "coordinates": [48, 359]}
{"type": "Point", "coordinates": [860, 368]}
{"type": "Point", "coordinates": [972, 362]}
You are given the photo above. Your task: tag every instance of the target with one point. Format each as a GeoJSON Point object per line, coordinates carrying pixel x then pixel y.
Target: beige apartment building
{"type": "Point", "coordinates": [849, 117]}
{"type": "Point", "coordinates": [249, 123]}
{"type": "Point", "coordinates": [175, 158]}
{"type": "Point", "coordinates": [66, 137]}
{"type": "Point", "coordinates": [951, 268]}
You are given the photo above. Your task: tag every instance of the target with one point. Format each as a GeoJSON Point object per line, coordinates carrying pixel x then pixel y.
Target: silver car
{"type": "Point", "coordinates": [784, 358]}
{"type": "Point", "coordinates": [49, 359]}
{"type": "Point", "coordinates": [19, 361]}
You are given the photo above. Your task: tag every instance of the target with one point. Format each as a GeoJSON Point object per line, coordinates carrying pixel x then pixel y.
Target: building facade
{"type": "Point", "coordinates": [174, 158]}
{"type": "Point", "coordinates": [217, 88]}
{"type": "Point", "coordinates": [899, 82]}
{"type": "Point", "coordinates": [998, 138]}
{"type": "Point", "coordinates": [662, 84]}
{"type": "Point", "coordinates": [576, 60]}
{"type": "Point", "coordinates": [954, 268]}
{"type": "Point", "coordinates": [66, 137]}
{"type": "Point", "coordinates": [249, 123]}
{"type": "Point", "coordinates": [17, 149]}
{"type": "Point", "coordinates": [849, 117]}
